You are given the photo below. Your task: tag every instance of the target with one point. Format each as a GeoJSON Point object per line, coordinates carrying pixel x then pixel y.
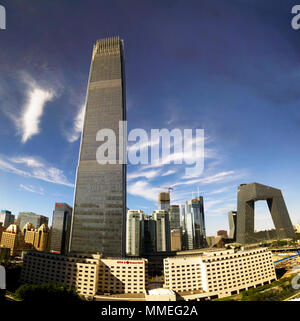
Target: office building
{"type": "Point", "coordinates": [164, 201]}
{"type": "Point", "coordinates": [149, 246]}
{"type": "Point", "coordinates": [184, 238]}
{"type": "Point", "coordinates": [90, 274]}
{"type": "Point", "coordinates": [14, 240]}
{"type": "Point", "coordinates": [6, 218]}
{"type": "Point", "coordinates": [195, 224]}
{"type": "Point", "coordinates": [2, 229]}
{"type": "Point", "coordinates": [38, 239]}
{"type": "Point", "coordinates": [176, 240]}
{"type": "Point", "coordinates": [163, 242]}
{"type": "Point", "coordinates": [232, 224]}
{"type": "Point", "coordinates": [29, 217]}
{"type": "Point", "coordinates": [248, 194]}
{"type": "Point", "coordinates": [99, 215]}
{"type": "Point", "coordinates": [135, 232]}
{"type": "Point", "coordinates": [195, 275]}
{"type": "Point", "coordinates": [61, 226]}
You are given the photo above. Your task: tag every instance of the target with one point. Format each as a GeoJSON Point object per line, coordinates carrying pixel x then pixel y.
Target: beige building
{"type": "Point", "coordinates": [90, 274]}
{"type": "Point", "coordinates": [176, 240]}
{"type": "Point", "coordinates": [13, 240]}
{"type": "Point", "coordinates": [218, 273]}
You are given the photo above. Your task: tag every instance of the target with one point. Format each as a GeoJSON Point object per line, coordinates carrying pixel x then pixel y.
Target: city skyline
{"type": "Point", "coordinates": [44, 88]}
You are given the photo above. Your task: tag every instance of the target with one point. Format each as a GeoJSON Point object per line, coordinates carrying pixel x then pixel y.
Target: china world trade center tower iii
{"type": "Point", "coordinates": [99, 217]}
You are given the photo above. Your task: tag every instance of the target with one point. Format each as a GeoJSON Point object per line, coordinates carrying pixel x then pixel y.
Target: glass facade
{"type": "Point", "coordinates": [195, 224]}
{"type": "Point", "coordinates": [28, 217]}
{"type": "Point", "coordinates": [61, 225]}
{"type": "Point", "coordinates": [99, 216]}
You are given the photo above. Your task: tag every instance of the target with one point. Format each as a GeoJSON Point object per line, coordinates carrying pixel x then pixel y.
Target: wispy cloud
{"type": "Point", "coordinates": [76, 131]}
{"type": "Point", "coordinates": [169, 172]}
{"type": "Point", "coordinates": [32, 189]}
{"type": "Point", "coordinates": [34, 169]}
{"type": "Point", "coordinates": [148, 174]}
{"type": "Point", "coordinates": [28, 122]}
{"type": "Point", "coordinates": [144, 189]}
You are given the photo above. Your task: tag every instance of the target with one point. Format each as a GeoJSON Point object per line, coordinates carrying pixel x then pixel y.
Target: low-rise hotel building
{"type": "Point", "coordinates": [90, 274]}
{"type": "Point", "coordinates": [218, 273]}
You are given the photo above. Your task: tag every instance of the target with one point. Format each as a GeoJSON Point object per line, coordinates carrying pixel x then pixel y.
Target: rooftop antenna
{"type": "Point", "coordinates": [198, 192]}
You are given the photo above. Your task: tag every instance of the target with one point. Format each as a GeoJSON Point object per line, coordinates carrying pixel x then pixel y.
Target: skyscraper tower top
{"type": "Point", "coordinates": [108, 46]}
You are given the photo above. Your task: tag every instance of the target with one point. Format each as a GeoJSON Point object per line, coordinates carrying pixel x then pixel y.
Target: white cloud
{"type": "Point", "coordinates": [42, 172]}
{"type": "Point", "coordinates": [32, 189]}
{"type": "Point", "coordinates": [148, 174]}
{"type": "Point", "coordinates": [144, 189]}
{"type": "Point", "coordinates": [28, 123]}
{"type": "Point", "coordinates": [229, 175]}
{"type": "Point", "coordinates": [75, 133]}
{"type": "Point", "coordinates": [169, 172]}
{"type": "Point", "coordinates": [29, 161]}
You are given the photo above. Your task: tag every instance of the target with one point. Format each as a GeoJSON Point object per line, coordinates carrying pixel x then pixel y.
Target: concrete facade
{"type": "Point", "coordinates": [99, 215]}
{"type": "Point", "coordinates": [90, 274]}
{"type": "Point", "coordinates": [247, 195]}
{"type": "Point", "coordinates": [218, 273]}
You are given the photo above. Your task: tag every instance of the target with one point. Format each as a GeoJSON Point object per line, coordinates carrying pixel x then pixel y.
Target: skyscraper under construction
{"type": "Point", "coordinates": [99, 215]}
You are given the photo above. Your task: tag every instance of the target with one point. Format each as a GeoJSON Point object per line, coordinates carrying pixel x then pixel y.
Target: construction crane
{"type": "Point", "coordinates": [169, 188]}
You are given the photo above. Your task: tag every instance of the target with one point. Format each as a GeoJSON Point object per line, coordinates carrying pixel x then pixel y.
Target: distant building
{"type": "Point", "coordinates": [196, 275]}
{"type": "Point", "coordinates": [164, 201]}
{"type": "Point", "coordinates": [38, 239]}
{"type": "Point", "coordinates": [135, 232]}
{"type": "Point", "coordinates": [29, 217]}
{"type": "Point", "coordinates": [61, 226]}
{"type": "Point", "coordinates": [90, 274]}
{"type": "Point", "coordinates": [163, 242]}
{"type": "Point", "coordinates": [232, 219]}
{"type": "Point", "coordinates": [149, 245]}
{"type": "Point", "coordinates": [222, 233]}
{"type": "Point", "coordinates": [6, 218]}
{"type": "Point", "coordinates": [2, 229]}
{"type": "Point", "coordinates": [184, 238]}
{"type": "Point", "coordinates": [13, 240]}
{"type": "Point", "coordinates": [174, 217]}
{"type": "Point", "coordinates": [195, 224]}
{"type": "Point", "coordinates": [176, 240]}
{"type": "Point", "coordinates": [297, 228]}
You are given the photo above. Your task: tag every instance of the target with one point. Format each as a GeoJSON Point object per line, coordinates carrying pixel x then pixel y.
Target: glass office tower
{"type": "Point", "coordinates": [195, 224]}
{"type": "Point", "coordinates": [99, 216]}
{"type": "Point", "coordinates": [61, 224]}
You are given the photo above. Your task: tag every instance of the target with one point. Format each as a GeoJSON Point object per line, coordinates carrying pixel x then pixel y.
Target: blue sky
{"type": "Point", "coordinates": [229, 67]}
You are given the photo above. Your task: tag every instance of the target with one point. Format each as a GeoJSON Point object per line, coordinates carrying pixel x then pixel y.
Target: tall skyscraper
{"type": "Point", "coordinates": [163, 242]}
{"type": "Point", "coordinates": [29, 217]}
{"type": "Point", "coordinates": [61, 225]}
{"type": "Point", "coordinates": [6, 218]}
{"type": "Point", "coordinates": [135, 232]}
{"type": "Point", "coordinates": [195, 224]}
{"type": "Point", "coordinates": [99, 215]}
{"type": "Point", "coordinates": [149, 246]}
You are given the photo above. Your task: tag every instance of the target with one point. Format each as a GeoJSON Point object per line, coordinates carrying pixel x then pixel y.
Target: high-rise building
{"type": "Point", "coordinates": [184, 240]}
{"type": "Point", "coordinates": [135, 232]}
{"type": "Point", "coordinates": [149, 245]}
{"type": "Point", "coordinates": [175, 229]}
{"type": "Point", "coordinates": [99, 215]}
{"type": "Point", "coordinates": [232, 224]}
{"type": "Point", "coordinates": [163, 201]}
{"type": "Point", "coordinates": [6, 218]}
{"type": "Point", "coordinates": [248, 194]}
{"type": "Point", "coordinates": [195, 224]}
{"type": "Point", "coordinates": [29, 217]}
{"type": "Point", "coordinates": [38, 239]}
{"type": "Point", "coordinates": [163, 242]}
{"type": "Point", "coordinates": [61, 226]}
